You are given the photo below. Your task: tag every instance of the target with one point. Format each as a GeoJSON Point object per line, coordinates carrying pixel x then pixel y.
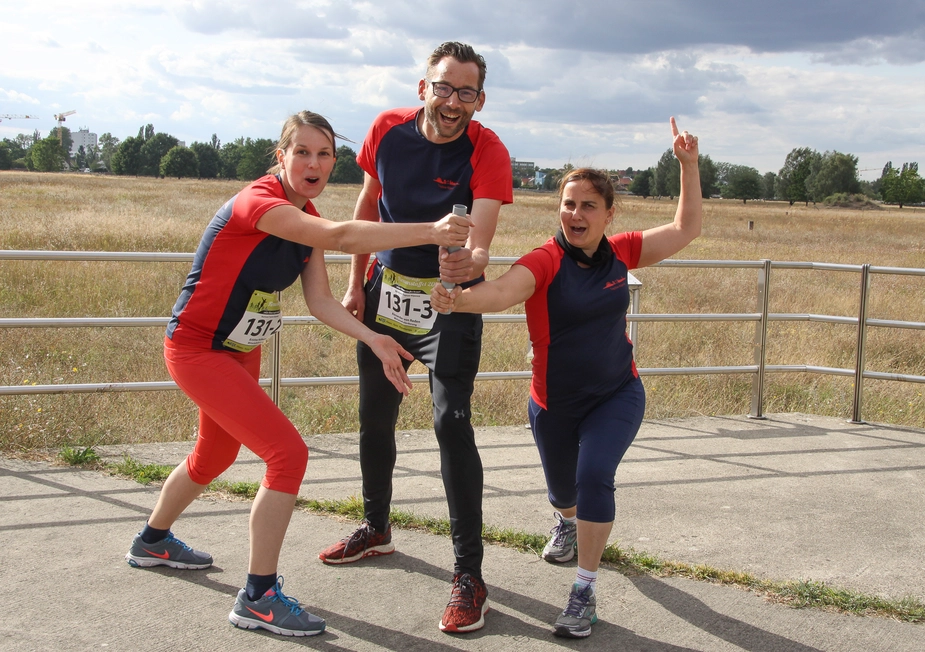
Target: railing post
{"type": "Point", "coordinates": [274, 382]}
{"type": "Point", "coordinates": [861, 347]}
{"type": "Point", "coordinates": [761, 340]}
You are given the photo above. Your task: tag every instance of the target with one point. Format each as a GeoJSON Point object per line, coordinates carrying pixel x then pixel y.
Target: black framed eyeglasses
{"type": "Point", "coordinates": [467, 95]}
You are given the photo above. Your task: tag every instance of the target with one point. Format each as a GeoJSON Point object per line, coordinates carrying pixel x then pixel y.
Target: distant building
{"type": "Point", "coordinates": [82, 138]}
{"type": "Point", "coordinates": [522, 169]}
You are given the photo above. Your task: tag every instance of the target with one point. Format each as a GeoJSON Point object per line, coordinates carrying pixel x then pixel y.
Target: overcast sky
{"type": "Point", "coordinates": [591, 82]}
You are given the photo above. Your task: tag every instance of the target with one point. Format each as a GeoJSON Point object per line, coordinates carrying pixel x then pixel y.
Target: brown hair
{"type": "Point", "coordinates": [463, 53]}
{"type": "Point", "coordinates": [291, 126]}
{"type": "Point", "coordinates": [599, 180]}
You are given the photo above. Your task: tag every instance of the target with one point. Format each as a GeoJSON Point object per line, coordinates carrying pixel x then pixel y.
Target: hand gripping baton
{"type": "Point", "coordinates": [458, 209]}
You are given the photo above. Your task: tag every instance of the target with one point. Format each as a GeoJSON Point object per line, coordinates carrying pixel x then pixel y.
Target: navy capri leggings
{"type": "Point", "coordinates": [580, 452]}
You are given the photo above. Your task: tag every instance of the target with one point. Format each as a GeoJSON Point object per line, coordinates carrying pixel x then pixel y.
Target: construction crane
{"type": "Point", "coordinates": [16, 116]}
{"type": "Point", "coordinates": [60, 118]}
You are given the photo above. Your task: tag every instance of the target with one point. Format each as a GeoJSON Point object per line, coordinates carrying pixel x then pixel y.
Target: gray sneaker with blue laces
{"type": "Point", "coordinates": [564, 542]}
{"type": "Point", "coordinates": [579, 614]}
{"type": "Point", "coordinates": [167, 552]}
{"type": "Point", "coordinates": [276, 613]}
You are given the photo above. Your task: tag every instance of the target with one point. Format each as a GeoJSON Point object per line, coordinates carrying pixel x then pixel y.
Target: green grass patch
{"type": "Point", "coordinates": [141, 473]}
{"type": "Point", "coordinates": [86, 456]}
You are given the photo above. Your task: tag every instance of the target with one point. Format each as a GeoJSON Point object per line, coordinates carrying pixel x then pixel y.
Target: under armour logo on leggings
{"type": "Point", "coordinates": [459, 414]}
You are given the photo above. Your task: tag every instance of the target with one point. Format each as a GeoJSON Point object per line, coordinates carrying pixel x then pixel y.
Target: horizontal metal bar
{"type": "Point", "coordinates": [902, 271]}
{"type": "Point", "coordinates": [92, 388]}
{"type": "Point", "coordinates": [81, 322]}
{"type": "Point", "coordinates": [826, 319]}
{"type": "Point", "coordinates": [891, 323]}
{"type": "Point", "coordinates": [747, 316]}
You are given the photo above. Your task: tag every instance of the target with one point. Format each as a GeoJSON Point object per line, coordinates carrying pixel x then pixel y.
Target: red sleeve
{"type": "Point", "coordinates": [627, 246]}
{"type": "Point", "coordinates": [492, 177]}
{"type": "Point", "coordinates": [366, 159]}
{"type": "Point", "coordinates": [256, 199]}
{"type": "Point", "coordinates": [541, 264]}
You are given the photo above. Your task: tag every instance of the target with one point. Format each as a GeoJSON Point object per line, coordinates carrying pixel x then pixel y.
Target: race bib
{"type": "Point", "coordinates": [261, 319]}
{"type": "Point", "coordinates": [404, 303]}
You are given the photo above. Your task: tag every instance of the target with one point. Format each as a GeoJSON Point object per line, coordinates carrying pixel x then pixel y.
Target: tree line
{"type": "Point", "coordinates": [806, 176]}
{"type": "Point", "coordinates": [158, 154]}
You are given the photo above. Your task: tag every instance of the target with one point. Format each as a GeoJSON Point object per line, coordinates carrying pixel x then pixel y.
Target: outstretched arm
{"type": "Point", "coordinates": [514, 286]}
{"type": "Point", "coordinates": [322, 304]}
{"type": "Point", "coordinates": [360, 236]}
{"type": "Point", "coordinates": [667, 240]}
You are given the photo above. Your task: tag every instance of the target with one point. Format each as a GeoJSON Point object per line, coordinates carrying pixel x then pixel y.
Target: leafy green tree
{"type": "Point", "coordinates": [742, 182]}
{"type": "Point", "coordinates": [768, 185]}
{"type": "Point", "coordinates": [65, 139]}
{"type": "Point", "coordinates": [108, 145]}
{"type": "Point", "coordinates": [258, 156]}
{"type": "Point", "coordinates": [154, 149]}
{"type": "Point", "coordinates": [346, 169]}
{"type": "Point", "coordinates": [708, 186]}
{"type": "Point", "coordinates": [666, 175]}
{"type": "Point", "coordinates": [146, 132]}
{"type": "Point", "coordinates": [229, 157]}
{"type": "Point", "coordinates": [642, 184]}
{"type": "Point", "coordinates": [180, 162]}
{"type": "Point", "coordinates": [127, 157]}
{"type": "Point", "coordinates": [903, 186]}
{"type": "Point", "coordinates": [209, 159]}
{"type": "Point", "coordinates": [80, 158]}
{"type": "Point", "coordinates": [792, 177]}
{"type": "Point", "coordinates": [832, 173]}
{"type": "Point", "coordinates": [6, 159]}
{"type": "Point", "coordinates": [47, 154]}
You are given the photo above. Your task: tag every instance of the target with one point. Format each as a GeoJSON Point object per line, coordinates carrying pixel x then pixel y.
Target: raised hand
{"type": "Point", "coordinates": [684, 145]}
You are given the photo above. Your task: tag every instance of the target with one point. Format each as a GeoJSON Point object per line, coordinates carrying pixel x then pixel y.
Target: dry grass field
{"type": "Point", "coordinates": [83, 212]}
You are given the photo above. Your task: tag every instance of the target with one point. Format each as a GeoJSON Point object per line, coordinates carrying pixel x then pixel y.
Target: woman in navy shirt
{"type": "Point", "coordinates": [586, 398]}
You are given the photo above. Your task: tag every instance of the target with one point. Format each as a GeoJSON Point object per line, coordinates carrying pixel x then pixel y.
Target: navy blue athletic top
{"type": "Point", "coordinates": [577, 323]}
{"type": "Point", "coordinates": [422, 180]}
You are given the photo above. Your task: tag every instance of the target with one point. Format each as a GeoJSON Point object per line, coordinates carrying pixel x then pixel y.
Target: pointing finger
{"type": "Point", "coordinates": [674, 127]}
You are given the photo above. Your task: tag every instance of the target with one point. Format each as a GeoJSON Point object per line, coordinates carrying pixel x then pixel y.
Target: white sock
{"type": "Point", "coordinates": [572, 520]}
{"type": "Point", "coordinates": [585, 578]}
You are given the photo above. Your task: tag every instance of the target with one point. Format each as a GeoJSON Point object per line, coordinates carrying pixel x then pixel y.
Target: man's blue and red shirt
{"type": "Point", "coordinates": [422, 180]}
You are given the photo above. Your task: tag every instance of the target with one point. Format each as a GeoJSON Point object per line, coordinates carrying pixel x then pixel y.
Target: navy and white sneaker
{"type": "Point", "coordinates": [167, 552]}
{"type": "Point", "coordinates": [276, 613]}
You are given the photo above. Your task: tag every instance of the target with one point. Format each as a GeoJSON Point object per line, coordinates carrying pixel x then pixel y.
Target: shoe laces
{"type": "Point", "coordinates": [560, 530]}
{"type": "Point", "coordinates": [279, 596]}
{"type": "Point", "coordinates": [361, 534]}
{"type": "Point", "coordinates": [172, 539]}
{"type": "Point", "coordinates": [463, 592]}
{"type": "Point", "coordinates": [577, 601]}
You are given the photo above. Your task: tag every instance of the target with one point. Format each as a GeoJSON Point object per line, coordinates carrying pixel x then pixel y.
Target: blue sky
{"type": "Point", "coordinates": [590, 83]}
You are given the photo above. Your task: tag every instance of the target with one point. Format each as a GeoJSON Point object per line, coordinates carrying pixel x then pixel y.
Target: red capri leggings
{"type": "Point", "coordinates": [235, 410]}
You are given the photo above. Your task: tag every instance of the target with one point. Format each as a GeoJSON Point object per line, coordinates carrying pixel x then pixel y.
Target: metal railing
{"type": "Point", "coordinates": [761, 317]}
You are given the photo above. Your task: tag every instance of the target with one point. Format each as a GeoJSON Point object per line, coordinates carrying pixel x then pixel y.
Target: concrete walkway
{"type": "Point", "coordinates": [789, 497]}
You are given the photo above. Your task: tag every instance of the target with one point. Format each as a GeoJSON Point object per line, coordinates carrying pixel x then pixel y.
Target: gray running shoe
{"type": "Point", "coordinates": [168, 552]}
{"type": "Point", "coordinates": [579, 614]}
{"type": "Point", "coordinates": [276, 613]}
{"type": "Point", "coordinates": [564, 542]}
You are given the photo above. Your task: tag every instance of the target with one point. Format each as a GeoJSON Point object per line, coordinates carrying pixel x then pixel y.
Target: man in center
{"type": "Point", "coordinates": [419, 162]}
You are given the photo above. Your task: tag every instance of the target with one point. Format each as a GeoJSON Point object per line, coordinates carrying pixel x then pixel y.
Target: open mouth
{"type": "Point", "coordinates": [577, 230]}
{"type": "Point", "coordinates": [449, 120]}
